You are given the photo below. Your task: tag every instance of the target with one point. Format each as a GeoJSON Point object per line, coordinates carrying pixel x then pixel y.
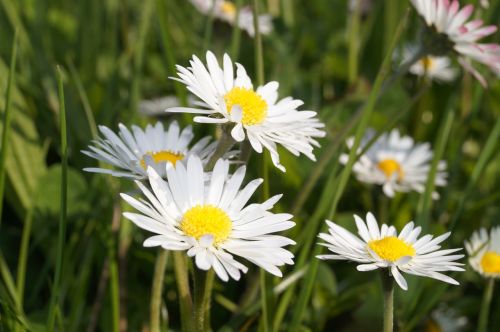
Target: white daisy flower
{"type": "Point", "coordinates": [226, 11]}
{"type": "Point", "coordinates": [395, 162]}
{"type": "Point", "coordinates": [383, 248]}
{"type": "Point", "coordinates": [448, 20]}
{"type": "Point", "coordinates": [256, 113]}
{"type": "Point", "coordinates": [211, 219]}
{"type": "Point", "coordinates": [445, 319]}
{"type": "Point", "coordinates": [437, 68]}
{"type": "Point", "coordinates": [484, 252]}
{"type": "Point", "coordinates": [131, 152]}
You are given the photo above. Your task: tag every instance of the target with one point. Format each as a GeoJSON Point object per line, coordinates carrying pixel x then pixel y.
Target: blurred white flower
{"type": "Point", "coordinates": [396, 162]}
{"type": "Point", "coordinates": [485, 3]}
{"type": "Point", "coordinates": [211, 219]}
{"type": "Point", "coordinates": [226, 11]}
{"type": "Point", "coordinates": [445, 319]}
{"type": "Point", "coordinates": [437, 68]}
{"type": "Point", "coordinates": [157, 106]}
{"type": "Point", "coordinates": [484, 252]}
{"type": "Point", "coordinates": [448, 20]}
{"type": "Point", "coordinates": [133, 151]}
{"type": "Point", "coordinates": [383, 248]}
{"type": "Point", "coordinates": [256, 113]}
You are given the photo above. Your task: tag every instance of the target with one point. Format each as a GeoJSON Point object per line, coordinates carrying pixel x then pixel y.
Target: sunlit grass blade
{"type": "Point", "coordinates": [23, 256]}
{"type": "Point", "coordinates": [488, 150]}
{"type": "Point", "coordinates": [306, 290]}
{"type": "Point", "coordinates": [7, 120]}
{"type": "Point", "coordinates": [54, 297]}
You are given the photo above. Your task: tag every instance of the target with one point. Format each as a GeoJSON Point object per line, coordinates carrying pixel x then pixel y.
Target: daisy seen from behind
{"type": "Point", "coordinates": [132, 151]}
{"type": "Point", "coordinates": [226, 11]}
{"type": "Point", "coordinates": [256, 114]}
{"type": "Point", "coordinates": [452, 32]}
{"type": "Point", "coordinates": [211, 220]}
{"type": "Point", "coordinates": [396, 163]}
{"type": "Point", "coordinates": [381, 247]}
{"type": "Point", "coordinates": [484, 252]}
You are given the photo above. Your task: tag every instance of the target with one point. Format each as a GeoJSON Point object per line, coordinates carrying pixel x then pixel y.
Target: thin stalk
{"type": "Point", "coordinates": [54, 298]}
{"type": "Point", "coordinates": [485, 306]}
{"type": "Point", "coordinates": [89, 114]}
{"type": "Point", "coordinates": [310, 278]}
{"type": "Point", "coordinates": [7, 119]}
{"type": "Point", "coordinates": [353, 42]}
{"type": "Point", "coordinates": [486, 153]}
{"type": "Point", "coordinates": [236, 35]}
{"type": "Point", "coordinates": [203, 283]}
{"type": "Point", "coordinates": [185, 301]}
{"type": "Point", "coordinates": [388, 290]}
{"type": "Point", "coordinates": [114, 291]}
{"type": "Point", "coordinates": [425, 202]}
{"type": "Point", "coordinates": [209, 26]}
{"type": "Point", "coordinates": [157, 290]}
{"type": "Point", "coordinates": [168, 48]}
{"type": "Point", "coordinates": [23, 256]}
{"type": "Point", "coordinates": [224, 144]}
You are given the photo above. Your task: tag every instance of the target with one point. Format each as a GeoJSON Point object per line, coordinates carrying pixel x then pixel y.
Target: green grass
{"type": "Point", "coordinates": [68, 261]}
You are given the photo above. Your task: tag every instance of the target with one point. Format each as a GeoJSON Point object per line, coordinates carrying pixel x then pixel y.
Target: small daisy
{"type": "Point", "coordinates": [211, 219]}
{"type": "Point", "coordinates": [383, 248]}
{"type": "Point", "coordinates": [255, 113]}
{"type": "Point", "coordinates": [449, 21]}
{"type": "Point", "coordinates": [445, 319]}
{"type": "Point", "coordinates": [226, 11]}
{"type": "Point", "coordinates": [484, 252]}
{"type": "Point", "coordinates": [131, 152]}
{"type": "Point", "coordinates": [437, 68]}
{"type": "Point", "coordinates": [396, 162]}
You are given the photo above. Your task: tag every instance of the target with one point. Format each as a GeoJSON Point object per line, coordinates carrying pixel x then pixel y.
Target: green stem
{"type": "Point", "coordinates": [236, 35]}
{"type": "Point", "coordinates": [203, 284]}
{"type": "Point", "coordinates": [485, 306]}
{"type": "Point", "coordinates": [114, 289]}
{"type": "Point", "coordinates": [157, 290]}
{"type": "Point", "coordinates": [23, 255]}
{"type": "Point", "coordinates": [208, 27]}
{"type": "Point", "coordinates": [185, 301]}
{"type": "Point", "coordinates": [7, 120]}
{"type": "Point", "coordinates": [388, 289]}
{"type": "Point", "coordinates": [54, 298]}
{"type": "Point", "coordinates": [225, 143]}
{"type": "Point", "coordinates": [353, 43]}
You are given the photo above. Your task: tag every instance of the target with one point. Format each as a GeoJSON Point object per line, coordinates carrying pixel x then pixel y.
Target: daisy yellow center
{"type": "Point", "coordinates": [228, 7]}
{"type": "Point", "coordinates": [162, 156]}
{"type": "Point", "coordinates": [253, 106]}
{"type": "Point", "coordinates": [391, 248]}
{"type": "Point", "coordinates": [206, 220]}
{"type": "Point", "coordinates": [427, 63]}
{"type": "Point", "coordinates": [389, 167]}
{"type": "Point", "coordinates": [490, 262]}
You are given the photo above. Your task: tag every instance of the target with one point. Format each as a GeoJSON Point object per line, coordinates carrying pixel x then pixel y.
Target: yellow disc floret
{"type": "Point", "coordinates": [391, 248]}
{"type": "Point", "coordinates": [427, 63]}
{"type": "Point", "coordinates": [253, 106]}
{"type": "Point", "coordinates": [206, 220]}
{"type": "Point", "coordinates": [163, 156]}
{"type": "Point", "coordinates": [490, 262]}
{"type": "Point", "coordinates": [389, 167]}
{"type": "Point", "coordinates": [228, 8]}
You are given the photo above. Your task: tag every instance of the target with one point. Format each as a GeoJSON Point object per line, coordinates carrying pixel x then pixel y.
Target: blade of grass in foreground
{"type": "Point", "coordinates": [6, 120]}
{"type": "Point", "coordinates": [310, 277]}
{"type": "Point", "coordinates": [54, 297]}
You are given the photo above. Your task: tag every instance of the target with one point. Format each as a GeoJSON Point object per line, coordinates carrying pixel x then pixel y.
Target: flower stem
{"type": "Point", "coordinates": [157, 290]}
{"type": "Point", "coordinates": [203, 283]}
{"type": "Point", "coordinates": [388, 289]}
{"type": "Point", "coordinates": [185, 302]}
{"type": "Point", "coordinates": [485, 306]}
{"type": "Point", "coordinates": [354, 42]}
{"type": "Point", "coordinates": [236, 36]}
{"type": "Point", "coordinates": [54, 298]}
{"type": "Point", "coordinates": [225, 143]}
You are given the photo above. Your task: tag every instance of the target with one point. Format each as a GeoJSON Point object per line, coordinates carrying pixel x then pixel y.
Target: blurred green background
{"type": "Point", "coordinates": [114, 54]}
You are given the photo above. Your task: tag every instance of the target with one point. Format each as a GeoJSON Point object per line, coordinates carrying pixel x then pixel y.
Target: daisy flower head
{"type": "Point", "coordinates": [132, 151]}
{"type": "Point", "coordinates": [211, 219]}
{"type": "Point", "coordinates": [256, 114]}
{"type": "Point", "coordinates": [396, 163]}
{"type": "Point", "coordinates": [451, 31]}
{"type": "Point", "coordinates": [436, 68]}
{"type": "Point", "coordinates": [381, 247]}
{"type": "Point", "coordinates": [226, 11]}
{"type": "Point", "coordinates": [484, 252]}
